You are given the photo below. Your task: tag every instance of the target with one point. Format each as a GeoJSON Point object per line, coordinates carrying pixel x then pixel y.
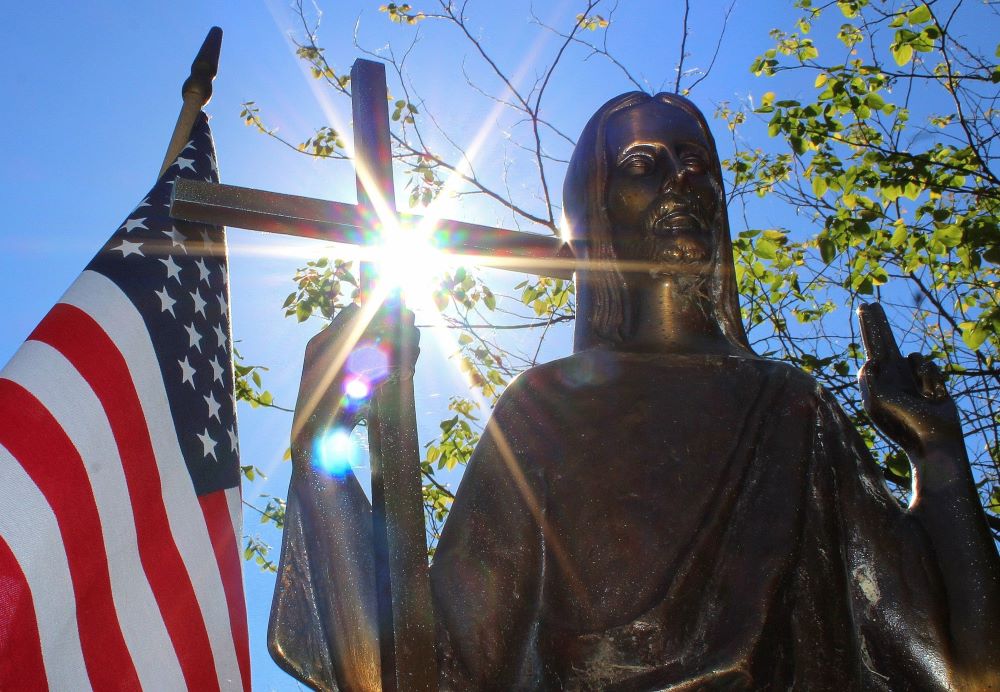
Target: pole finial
{"type": "Point", "coordinates": [196, 92]}
{"type": "Point", "coordinates": [204, 67]}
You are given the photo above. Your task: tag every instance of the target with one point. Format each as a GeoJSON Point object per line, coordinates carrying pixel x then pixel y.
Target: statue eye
{"type": "Point", "coordinates": [694, 162]}
{"type": "Point", "coordinates": [638, 163]}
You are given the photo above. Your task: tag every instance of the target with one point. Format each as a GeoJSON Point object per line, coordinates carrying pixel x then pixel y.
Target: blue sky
{"type": "Point", "coordinates": [93, 91]}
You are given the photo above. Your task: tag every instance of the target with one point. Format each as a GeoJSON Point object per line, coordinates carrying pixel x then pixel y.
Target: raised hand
{"type": "Point", "coordinates": [905, 397]}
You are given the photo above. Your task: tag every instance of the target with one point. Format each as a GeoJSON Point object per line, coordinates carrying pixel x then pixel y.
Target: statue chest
{"type": "Point", "coordinates": [634, 470]}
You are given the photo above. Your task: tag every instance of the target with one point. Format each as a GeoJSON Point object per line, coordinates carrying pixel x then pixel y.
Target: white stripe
{"type": "Point", "coordinates": [54, 381]}
{"type": "Point", "coordinates": [33, 536]}
{"type": "Point", "coordinates": [234, 498]}
{"type": "Point", "coordinates": [98, 296]}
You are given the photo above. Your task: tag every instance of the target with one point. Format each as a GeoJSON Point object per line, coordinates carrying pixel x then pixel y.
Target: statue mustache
{"type": "Point", "coordinates": [670, 204]}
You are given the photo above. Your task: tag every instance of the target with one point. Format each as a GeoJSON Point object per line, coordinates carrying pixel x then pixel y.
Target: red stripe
{"type": "Point", "coordinates": [21, 664]}
{"type": "Point", "coordinates": [220, 528]}
{"type": "Point", "coordinates": [35, 439]}
{"type": "Point", "coordinates": [94, 355]}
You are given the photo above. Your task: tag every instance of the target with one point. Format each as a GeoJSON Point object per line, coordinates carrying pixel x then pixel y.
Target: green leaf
{"type": "Point", "coordinates": [972, 335]}
{"type": "Point", "coordinates": [819, 185]}
{"type": "Point", "coordinates": [827, 250]}
{"type": "Point", "coordinates": [919, 15]}
{"type": "Point", "coordinates": [949, 236]}
{"type": "Point", "coordinates": [902, 53]}
{"type": "Point", "coordinates": [899, 235]}
{"type": "Point", "coordinates": [765, 249]}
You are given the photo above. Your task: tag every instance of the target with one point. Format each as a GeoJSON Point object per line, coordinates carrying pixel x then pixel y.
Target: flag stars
{"type": "Point", "coordinates": [208, 444]}
{"type": "Point", "coordinates": [132, 224]}
{"type": "Point", "coordinates": [232, 438]}
{"type": "Point", "coordinates": [213, 406]}
{"type": "Point", "coordinates": [199, 302]}
{"type": "Point", "coordinates": [223, 305]}
{"type": "Point", "coordinates": [187, 372]}
{"type": "Point", "coordinates": [128, 248]}
{"type": "Point", "coordinates": [220, 336]}
{"type": "Point", "coordinates": [176, 237]}
{"type": "Point", "coordinates": [166, 302]}
{"type": "Point", "coordinates": [194, 338]}
{"type": "Point", "coordinates": [203, 271]}
{"type": "Point", "coordinates": [183, 163]}
{"type": "Point", "coordinates": [217, 369]}
{"type": "Point", "coordinates": [173, 270]}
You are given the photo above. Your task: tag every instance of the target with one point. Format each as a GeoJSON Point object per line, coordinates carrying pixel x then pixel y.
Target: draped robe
{"type": "Point", "coordinates": [660, 522]}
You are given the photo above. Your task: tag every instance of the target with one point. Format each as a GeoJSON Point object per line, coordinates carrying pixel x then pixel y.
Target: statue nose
{"type": "Point", "coordinates": [674, 176]}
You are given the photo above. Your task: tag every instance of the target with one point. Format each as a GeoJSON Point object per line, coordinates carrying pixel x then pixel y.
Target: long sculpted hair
{"type": "Point", "coordinates": [604, 306]}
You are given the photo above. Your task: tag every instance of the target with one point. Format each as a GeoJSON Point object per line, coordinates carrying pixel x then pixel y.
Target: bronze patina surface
{"type": "Point", "coordinates": [663, 509]}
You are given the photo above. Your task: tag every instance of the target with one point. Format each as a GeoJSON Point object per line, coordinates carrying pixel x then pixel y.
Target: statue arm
{"type": "Point", "coordinates": [907, 399]}
{"type": "Point", "coordinates": [488, 567]}
{"type": "Point", "coordinates": [323, 626]}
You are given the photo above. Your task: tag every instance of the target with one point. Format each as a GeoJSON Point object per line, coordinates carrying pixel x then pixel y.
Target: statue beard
{"type": "Point", "coordinates": [675, 240]}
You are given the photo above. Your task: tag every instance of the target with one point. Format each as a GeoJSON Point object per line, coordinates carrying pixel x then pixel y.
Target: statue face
{"type": "Point", "coordinates": [662, 199]}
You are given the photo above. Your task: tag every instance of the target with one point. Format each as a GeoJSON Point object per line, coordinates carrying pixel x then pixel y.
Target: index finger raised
{"type": "Point", "coordinates": [876, 334]}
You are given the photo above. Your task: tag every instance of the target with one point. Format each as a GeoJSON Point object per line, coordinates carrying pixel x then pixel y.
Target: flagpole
{"type": "Point", "coordinates": [196, 92]}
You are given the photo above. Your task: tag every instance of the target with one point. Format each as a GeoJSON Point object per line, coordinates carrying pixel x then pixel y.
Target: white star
{"type": "Point", "coordinates": [202, 271]}
{"type": "Point", "coordinates": [127, 248]}
{"type": "Point", "coordinates": [168, 182]}
{"type": "Point", "coordinates": [189, 145]}
{"type": "Point", "coordinates": [232, 439]}
{"type": "Point", "coordinates": [132, 224]}
{"type": "Point", "coordinates": [213, 407]}
{"type": "Point", "coordinates": [187, 372]}
{"type": "Point", "coordinates": [194, 338]}
{"type": "Point", "coordinates": [143, 203]}
{"type": "Point", "coordinates": [173, 271]}
{"type": "Point", "coordinates": [199, 302]}
{"type": "Point", "coordinates": [220, 336]}
{"type": "Point", "coordinates": [183, 163]}
{"type": "Point", "coordinates": [214, 164]}
{"type": "Point", "coordinates": [217, 369]}
{"type": "Point", "coordinates": [166, 302]}
{"type": "Point", "coordinates": [223, 304]}
{"type": "Point", "coordinates": [176, 237]}
{"type": "Point", "coordinates": [207, 444]}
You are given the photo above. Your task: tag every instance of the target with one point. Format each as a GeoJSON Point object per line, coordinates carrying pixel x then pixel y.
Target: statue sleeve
{"type": "Point", "coordinates": [322, 629]}
{"type": "Point", "coordinates": [892, 605]}
{"type": "Point", "coordinates": [487, 569]}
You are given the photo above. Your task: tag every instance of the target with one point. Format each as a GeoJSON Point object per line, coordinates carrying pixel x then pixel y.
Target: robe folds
{"type": "Point", "coordinates": [660, 522]}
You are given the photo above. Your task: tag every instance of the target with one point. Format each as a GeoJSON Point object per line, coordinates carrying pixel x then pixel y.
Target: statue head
{"type": "Point", "coordinates": [644, 200]}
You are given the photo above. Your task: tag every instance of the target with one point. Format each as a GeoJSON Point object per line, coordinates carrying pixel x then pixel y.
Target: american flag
{"type": "Point", "coordinates": [119, 547]}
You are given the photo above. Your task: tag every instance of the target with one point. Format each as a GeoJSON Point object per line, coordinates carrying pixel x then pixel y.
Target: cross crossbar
{"type": "Point", "coordinates": [337, 222]}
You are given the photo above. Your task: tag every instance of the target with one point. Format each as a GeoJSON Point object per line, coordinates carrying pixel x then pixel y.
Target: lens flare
{"type": "Point", "coordinates": [356, 388]}
{"type": "Point", "coordinates": [407, 260]}
{"type": "Point", "coordinates": [337, 454]}
{"type": "Point", "coordinates": [368, 362]}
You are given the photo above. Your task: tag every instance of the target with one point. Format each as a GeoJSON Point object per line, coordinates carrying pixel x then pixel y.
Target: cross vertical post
{"type": "Point", "coordinates": [405, 610]}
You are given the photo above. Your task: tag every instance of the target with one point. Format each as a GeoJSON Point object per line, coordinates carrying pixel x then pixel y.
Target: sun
{"type": "Point", "coordinates": [406, 260]}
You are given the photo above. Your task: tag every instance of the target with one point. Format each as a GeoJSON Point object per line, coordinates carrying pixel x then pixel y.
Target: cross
{"type": "Point", "coordinates": [405, 615]}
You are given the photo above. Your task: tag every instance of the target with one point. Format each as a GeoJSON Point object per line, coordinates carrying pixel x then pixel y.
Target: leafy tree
{"type": "Point", "coordinates": [882, 190]}
{"type": "Point", "coordinates": [889, 163]}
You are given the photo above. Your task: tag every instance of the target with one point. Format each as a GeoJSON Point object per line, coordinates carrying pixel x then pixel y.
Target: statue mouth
{"type": "Point", "coordinates": [677, 220]}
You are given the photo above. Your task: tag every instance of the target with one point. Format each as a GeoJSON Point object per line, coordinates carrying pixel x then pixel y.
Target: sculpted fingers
{"type": "Point", "coordinates": [929, 377]}
{"type": "Point", "coordinates": [876, 334]}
